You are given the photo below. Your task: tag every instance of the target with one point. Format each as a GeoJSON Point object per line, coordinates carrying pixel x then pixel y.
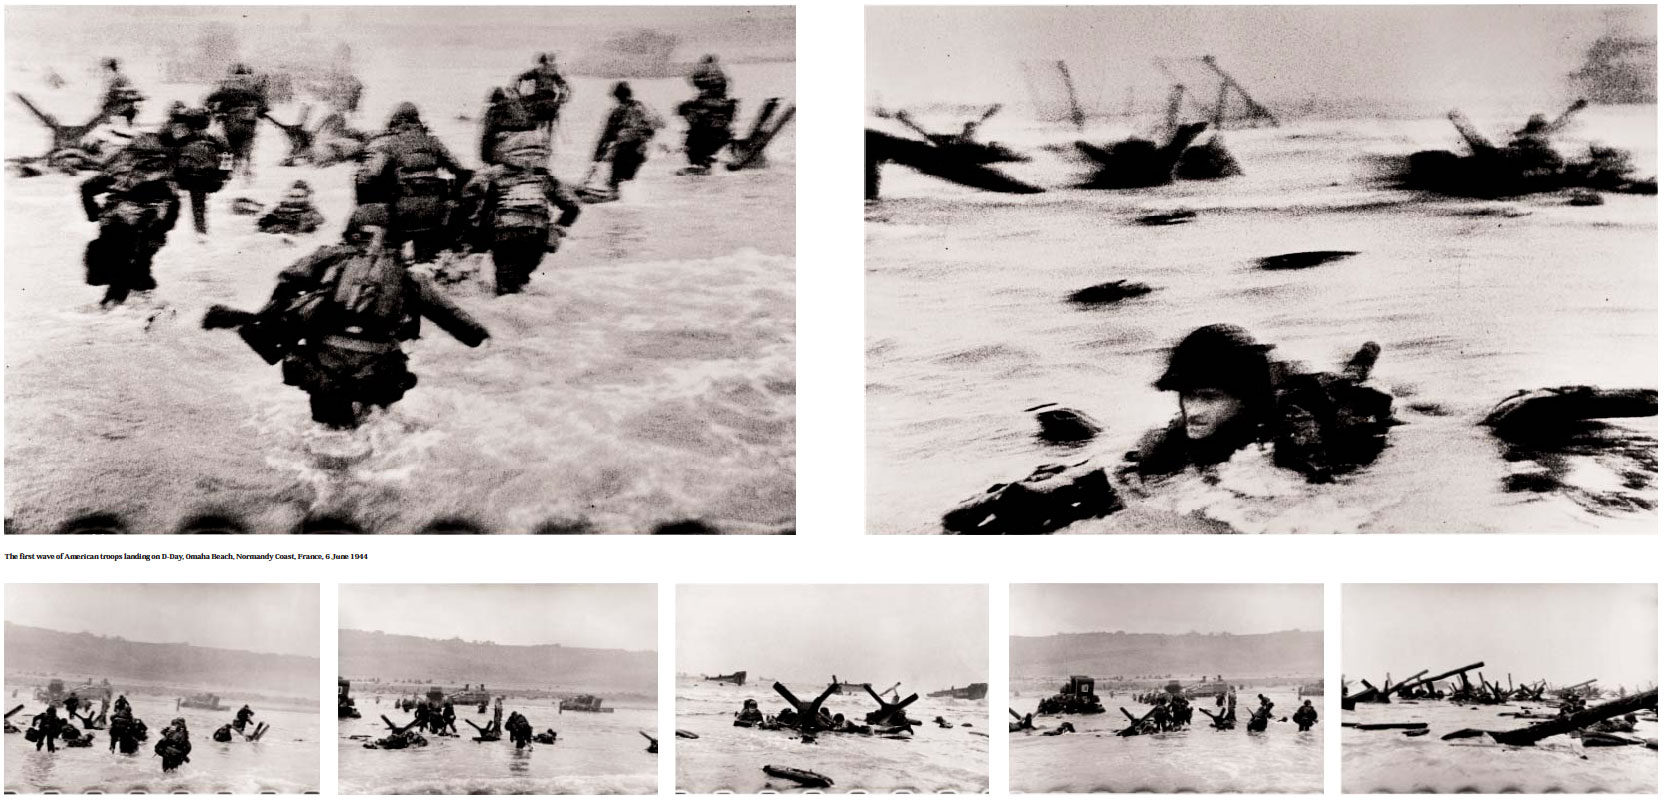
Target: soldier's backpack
{"type": "Point", "coordinates": [370, 290]}
{"type": "Point", "coordinates": [199, 165]}
{"type": "Point", "coordinates": [420, 203]}
{"type": "Point", "coordinates": [640, 123]}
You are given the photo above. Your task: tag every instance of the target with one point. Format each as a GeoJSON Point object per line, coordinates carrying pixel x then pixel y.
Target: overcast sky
{"type": "Point", "coordinates": [1563, 633]}
{"type": "Point", "coordinates": [265, 618]}
{"type": "Point", "coordinates": [926, 636]}
{"type": "Point", "coordinates": [578, 615]}
{"type": "Point", "coordinates": [1042, 609]}
{"type": "Point", "coordinates": [1426, 55]}
{"type": "Point", "coordinates": [568, 31]}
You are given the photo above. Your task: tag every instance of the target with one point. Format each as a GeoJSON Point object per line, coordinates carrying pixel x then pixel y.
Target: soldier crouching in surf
{"type": "Point", "coordinates": [1232, 397]}
{"type": "Point", "coordinates": [337, 317]}
{"type": "Point", "coordinates": [140, 206]}
{"type": "Point", "coordinates": [508, 206]}
{"type": "Point", "coordinates": [174, 746]}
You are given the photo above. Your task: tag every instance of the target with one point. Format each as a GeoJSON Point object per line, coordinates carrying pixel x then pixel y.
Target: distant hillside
{"type": "Point", "coordinates": [77, 656]}
{"type": "Point", "coordinates": [394, 657]}
{"type": "Point", "coordinates": [1282, 653]}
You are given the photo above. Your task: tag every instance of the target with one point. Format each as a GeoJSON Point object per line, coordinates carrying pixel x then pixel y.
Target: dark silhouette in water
{"type": "Point", "coordinates": [1552, 429]}
{"type": "Point", "coordinates": [1065, 426]}
{"type": "Point", "coordinates": [1138, 163]}
{"type": "Point", "coordinates": [1108, 293]}
{"type": "Point", "coordinates": [938, 162]}
{"type": "Point", "coordinates": [1303, 260]}
{"type": "Point", "coordinates": [1527, 165]}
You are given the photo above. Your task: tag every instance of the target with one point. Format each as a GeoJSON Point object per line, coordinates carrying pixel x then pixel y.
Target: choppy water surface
{"type": "Point", "coordinates": [646, 376]}
{"type": "Point", "coordinates": [1195, 760]}
{"type": "Point", "coordinates": [730, 758]}
{"type": "Point", "coordinates": [1470, 300]}
{"type": "Point", "coordinates": [595, 754]}
{"type": "Point", "coordinates": [1389, 761]}
{"type": "Point", "coordinates": [284, 761]}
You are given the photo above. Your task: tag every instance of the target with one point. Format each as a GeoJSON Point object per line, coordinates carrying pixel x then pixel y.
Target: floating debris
{"type": "Point", "coordinates": [807, 778]}
{"type": "Point", "coordinates": [1303, 260]}
{"type": "Point", "coordinates": [1108, 293]}
{"type": "Point", "coordinates": [1064, 426]}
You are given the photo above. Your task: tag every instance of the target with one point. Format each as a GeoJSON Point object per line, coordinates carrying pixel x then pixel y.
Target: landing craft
{"type": "Point", "coordinates": [737, 678]}
{"type": "Point", "coordinates": [971, 692]}
{"type": "Point", "coordinates": [56, 691]}
{"type": "Point", "coordinates": [470, 696]}
{"type": "Point", "coordinates": [344, 700]}
{"type": "Point", "coordinates": [1075, 697]}
{"type": "Point", "coordinates": [584, 703]}
{"type": "Point", "coordinates": [1207, 690]}
{"type": "Point", "coordinates": [643, 53]}
{"type": "Point", "coordinates": [846, 688]}
{"type": "Point", "coordinates": [201, 701]}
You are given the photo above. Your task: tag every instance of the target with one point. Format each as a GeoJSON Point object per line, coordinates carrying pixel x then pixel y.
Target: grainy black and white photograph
{"type": "Point", "coordinates": [159, 689]}
{"type": "Point", "coordinates": [487, 689]}
{"type": "Point", "coordinates": [833, 688]}
{"type": "Point", "coordinates": [1105, 680]}
{"type": "Point", "coordinates": [226, 227]}
{"type": "Point", "coordinates": [1499, 688]}
{"type": "Point", "coordinates": [1261, 269]}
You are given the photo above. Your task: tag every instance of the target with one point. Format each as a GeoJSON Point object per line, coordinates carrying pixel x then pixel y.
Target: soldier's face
{"type": "Point", "coordinates": [1206, 410]}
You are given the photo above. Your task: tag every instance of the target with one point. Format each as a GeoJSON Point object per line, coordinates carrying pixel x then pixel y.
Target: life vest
{"type": "Point", "coordinates": [522, 203]}
{"type": "Point", "coordinates": [523, 149]}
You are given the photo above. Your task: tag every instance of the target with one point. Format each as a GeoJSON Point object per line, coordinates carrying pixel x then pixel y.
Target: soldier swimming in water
{"type": "Point", "coordinates": [1231, 397]}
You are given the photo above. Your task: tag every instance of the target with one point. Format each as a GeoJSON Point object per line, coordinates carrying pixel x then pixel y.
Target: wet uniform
{"type": "Point", "coordinates": [709, 116]}
{"type": "Point", "coordinates": [547, 94]}
{"type": "Point", "coordinates": [404, 171]}
{"type": "Point", "coordinates": [624, 141]}
{"type": "Point", "coordinates": [140, 206]}
{"type": "Point", "coordinates": [509, 208]}
{"type": "Point", "coordinates": [239, 103]}
{"type": "Point", "coordinates": [340, 314]}
{"type": "Point", "coordinates": [198, 167]}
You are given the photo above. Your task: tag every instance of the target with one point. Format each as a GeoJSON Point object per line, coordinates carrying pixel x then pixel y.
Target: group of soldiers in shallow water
{"type": "Point", "coordinates": [337, 318]}
{"type": "Point", "coordinates": [126, 731]}
{"type": "Point", "coordinates": [1172, 712]}
{"type": "Point", "coordinates": [439, 718]}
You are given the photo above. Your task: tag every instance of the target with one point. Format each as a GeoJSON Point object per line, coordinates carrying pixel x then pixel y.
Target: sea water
{"type": "Point", "coordinates": [285, 760]}
{"type": "Point", "coordinates": [1198, 759]}
{"type": "Point", "coordinates": [594, 754]}
{"type": "Point", "coordinates": [727, 757]}
{"type": "Point", "coordinates": [968, 327]}
{"type": "Point", "coordinates": [1387, 760]}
